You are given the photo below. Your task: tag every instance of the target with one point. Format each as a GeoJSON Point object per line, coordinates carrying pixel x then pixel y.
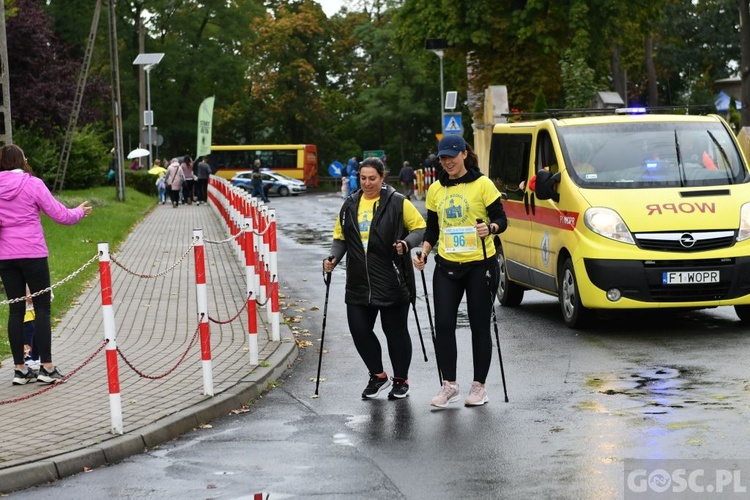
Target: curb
{"type": "Point", "coordinates": [118, 448]}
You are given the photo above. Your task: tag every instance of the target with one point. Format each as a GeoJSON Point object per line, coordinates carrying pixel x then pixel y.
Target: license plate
{"type": "Point", "coordinates": [689, 277]}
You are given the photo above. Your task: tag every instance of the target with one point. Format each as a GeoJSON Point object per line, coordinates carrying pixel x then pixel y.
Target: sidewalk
{"type": "Point", "coordinates": [68, 428]}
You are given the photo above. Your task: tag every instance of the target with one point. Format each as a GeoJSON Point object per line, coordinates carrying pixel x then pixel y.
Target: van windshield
{"type": "Point", "coordinates": [646, 155]}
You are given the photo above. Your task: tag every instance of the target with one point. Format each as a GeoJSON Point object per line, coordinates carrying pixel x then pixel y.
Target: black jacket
{"type": "Point", "coordinates": [379, 277]}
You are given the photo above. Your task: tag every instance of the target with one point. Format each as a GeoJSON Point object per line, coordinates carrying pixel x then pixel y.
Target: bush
{"type": "Point", "coordinates": [89, 159]}
{"type": "Point", "coordinates": [87, 163]}
{"type": "Point", "coordinates": [41, 153]}
{"type": "Point", "coordinates": [141, 181]}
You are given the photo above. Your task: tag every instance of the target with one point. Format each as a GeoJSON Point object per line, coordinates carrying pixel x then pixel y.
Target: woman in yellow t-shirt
{"type": "Point", "coordinates": [460, 197]}
{"type": "Point", "coordinates": [375, 229]}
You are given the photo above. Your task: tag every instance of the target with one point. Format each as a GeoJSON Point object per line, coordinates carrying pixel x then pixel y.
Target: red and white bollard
{"type": "Point", "coordinates": [250, 286]}
{"type": "Point", "coordinates": [273, 278]}
{"type": "Point", "coordinates": [200, 285]}
{"type": "Point", "coordinates": [108, 316]}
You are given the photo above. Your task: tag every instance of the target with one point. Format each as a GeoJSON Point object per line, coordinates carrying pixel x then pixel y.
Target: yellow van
{"type": "Point", "coordinates": [631, 210]}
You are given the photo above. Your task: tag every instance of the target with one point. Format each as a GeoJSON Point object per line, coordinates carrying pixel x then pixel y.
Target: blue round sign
{"type": "Point", "coordinates": [335, 169]}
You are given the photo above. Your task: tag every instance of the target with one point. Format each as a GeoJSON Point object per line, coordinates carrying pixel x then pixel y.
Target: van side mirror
{"type": "Point", "coordinates": [546, 183]}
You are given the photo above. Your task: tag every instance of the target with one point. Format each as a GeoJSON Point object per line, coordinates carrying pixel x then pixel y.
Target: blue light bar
{"type": "Point", "coordinates": [630, 111]}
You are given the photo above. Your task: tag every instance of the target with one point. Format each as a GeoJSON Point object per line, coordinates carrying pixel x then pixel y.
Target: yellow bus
{"type": "Point", "coordinates": [298, 161]}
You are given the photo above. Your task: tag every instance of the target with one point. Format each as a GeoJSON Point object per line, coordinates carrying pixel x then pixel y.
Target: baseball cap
{"type": "Point", "coordinates": [451, 145]}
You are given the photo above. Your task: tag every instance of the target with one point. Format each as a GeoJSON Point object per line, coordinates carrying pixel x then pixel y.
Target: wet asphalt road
{"type": "Point", "coordinates": [636, 386]}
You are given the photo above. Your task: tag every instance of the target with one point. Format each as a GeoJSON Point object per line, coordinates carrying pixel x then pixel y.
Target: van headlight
{"type": "Point", "coordinates": [744, 232]}
{"type": "Point", "coordinates": [608, 223]}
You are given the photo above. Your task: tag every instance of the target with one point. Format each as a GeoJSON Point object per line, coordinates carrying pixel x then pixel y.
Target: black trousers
{"type": "Point", "coordinates": [394, 322]}
{"type": "Point", "coordinates": [201, 190]}
{"type": "Point", "coordinates": [448, 291]}
{"type": "Point", "coordinates": [16, 274]}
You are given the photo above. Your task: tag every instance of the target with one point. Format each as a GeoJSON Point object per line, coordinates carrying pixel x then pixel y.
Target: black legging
{"type": "Point", "coordinates": [394, 322]}
{"type": "Point", "coordinates": [16, 274]}
{"type": "Point", "coordinates": [448, 292]}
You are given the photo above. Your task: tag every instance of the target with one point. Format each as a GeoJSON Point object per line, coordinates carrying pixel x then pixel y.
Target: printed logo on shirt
{"type": "Point", "coordinates": [457, 210]}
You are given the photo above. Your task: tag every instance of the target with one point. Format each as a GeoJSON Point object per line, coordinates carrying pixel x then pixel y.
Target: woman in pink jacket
{"type": "Point", "coordinates": [174, 182]}
{"type": "Point", "coordinates": [23, 257]}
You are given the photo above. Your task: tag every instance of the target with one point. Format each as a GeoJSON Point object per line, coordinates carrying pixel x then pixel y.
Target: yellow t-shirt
{"type": "Point", "coordinates": [458, 208]}
{"type": "Point", "coordinates": [412, 220]}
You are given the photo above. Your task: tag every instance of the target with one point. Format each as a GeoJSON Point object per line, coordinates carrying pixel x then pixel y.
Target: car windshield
{"type": "Point", "coordinates": [651, 155]}
{"type": "Point", "coordinates": [282, 176]}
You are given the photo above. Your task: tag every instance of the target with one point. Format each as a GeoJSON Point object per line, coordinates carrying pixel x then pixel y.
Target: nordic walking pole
{"type": "Point", "coordinates": [429, 316]}
{"type": "Point", "coordinates": [414, 302]}
{"type": "Point", "coordinates": [419, 329]}
{"type": "Point", "coordinates": [494, 316]}
{"type": "Point", "coordinates": [327, 281]}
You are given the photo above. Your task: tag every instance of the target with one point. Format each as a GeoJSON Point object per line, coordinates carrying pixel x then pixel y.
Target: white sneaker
{"type": "Point", "coordinates": [477, 395]}
{"type": "Point", "coordinates": [448, 394]}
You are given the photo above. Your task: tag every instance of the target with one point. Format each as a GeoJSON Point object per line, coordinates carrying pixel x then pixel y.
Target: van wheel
{"type": "Point", "coordinates": [575, 315]}
{"type": "Point", "coordinates": [743, 312]}
{"type": "Point", "coordinates": [283, 191]}
{"type": "Point", "coordinates": [508, 293]}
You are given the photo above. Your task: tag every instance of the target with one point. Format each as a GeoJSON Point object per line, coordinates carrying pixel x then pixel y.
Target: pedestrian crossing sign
{"type": "Point", "coordinates": [452, 124]}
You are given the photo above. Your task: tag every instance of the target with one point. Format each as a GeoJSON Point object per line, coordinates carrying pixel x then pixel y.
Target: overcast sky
{"type": "Point", "coordinates": [330, 7]}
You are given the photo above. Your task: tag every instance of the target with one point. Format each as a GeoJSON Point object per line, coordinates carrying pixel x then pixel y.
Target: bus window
{"type": "Point", "coordinates": [298, 161]}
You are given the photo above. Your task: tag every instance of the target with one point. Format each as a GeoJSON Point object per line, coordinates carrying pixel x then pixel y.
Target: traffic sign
{"type": "Point", "coordinates": [452, 124]}
{"type": "Point", "coordinates": [376, 153]}
{"type": "Point", "coordinates": [335, 169]}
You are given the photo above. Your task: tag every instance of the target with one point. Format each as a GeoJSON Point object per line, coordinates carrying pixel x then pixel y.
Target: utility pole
{"type": "Point", "coordinates": [6, 132]}
{"type": "Point", "coordinates": [116, 102]}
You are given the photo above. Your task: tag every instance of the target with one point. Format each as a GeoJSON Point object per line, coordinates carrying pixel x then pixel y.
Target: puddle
{"type": "Point", "coordinates": [658, 390]}
{"type": "Point", "coordinates": [306, 234]}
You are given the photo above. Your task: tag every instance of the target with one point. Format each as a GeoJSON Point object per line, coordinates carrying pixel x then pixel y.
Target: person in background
{"type": "Point", "coordinates": [407, 177]}
{"type": "Point", "coordinates": [257, 182]}
{"type": "Point", "coordinates": [188, 185]}
{"type": "Point", "coordinates": [174, 182]}
{"type": "Point", "coordinates": [24, 258]}
{"type": "Point", "coordinates": [375, 229]}
{"type": "Point", "coordinates": [161, 187]}
{"type": "Point", "coordinates": [202, 174]}
{"type": "Point", "coordinates": [349, 171]}
{"type": "Point", "coordinates": [461, 196]}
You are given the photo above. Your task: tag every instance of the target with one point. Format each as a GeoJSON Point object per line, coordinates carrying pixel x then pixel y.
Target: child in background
{"type": "Point", "coordinates": [30, 352]}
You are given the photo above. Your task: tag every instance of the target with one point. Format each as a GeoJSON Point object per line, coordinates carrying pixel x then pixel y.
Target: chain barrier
{"type": "Point", "coordinates": [232, 237]}
{"type": "Point", "coordinates": [182, 358]}
{"type": "Point", "coordinates": [244, 306]}
{"type": "Point", "coordinates": [268, 297]}
{"type": "Point", "coordinates": [49, 288]}
{"type": "Point", "coordinates": [149, 276]}
{"type": "Point", "coordinates": [268, 226]}
{"type": "Point", "coordinates": [61, 381]}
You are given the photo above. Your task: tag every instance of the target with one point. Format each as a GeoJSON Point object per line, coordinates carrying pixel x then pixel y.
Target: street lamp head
{"type": "Point", "coordinates": [148, 59]}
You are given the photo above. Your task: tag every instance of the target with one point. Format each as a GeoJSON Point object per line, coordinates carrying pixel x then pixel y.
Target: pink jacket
{"type": "Point", "coordinates": [22, 198]}
{"type": "Point", "coordinates": [174, 176]}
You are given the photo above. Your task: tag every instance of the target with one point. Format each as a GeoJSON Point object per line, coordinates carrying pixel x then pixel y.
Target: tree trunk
{"type": "Point", "coordinates": [744, 6]}
{"type": "Point", "coordinates": [618, 75]}
{"type": "Point", "coordinates": [653, 93]}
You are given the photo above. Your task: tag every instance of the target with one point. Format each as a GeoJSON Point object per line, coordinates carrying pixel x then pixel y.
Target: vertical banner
{"type": "Point", "coordinates": [205, 117]}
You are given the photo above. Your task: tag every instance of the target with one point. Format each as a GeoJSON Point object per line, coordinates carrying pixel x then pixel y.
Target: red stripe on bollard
{"type": "Point", "coordinates": [113, 373]}
{"type": "Point", "coordinates": [105, 275]}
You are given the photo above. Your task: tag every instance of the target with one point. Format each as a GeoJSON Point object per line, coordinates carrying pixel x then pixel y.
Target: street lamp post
{"type": "Point", "coordinates": [437, 45]}
{"type": "Point", "coordinates": [148, 61]}
{"type": "Point", "coordinates": [439, 53]}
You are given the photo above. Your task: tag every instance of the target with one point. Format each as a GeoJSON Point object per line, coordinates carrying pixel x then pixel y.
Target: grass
{"type": "Point", "coordinates": [70, 247]}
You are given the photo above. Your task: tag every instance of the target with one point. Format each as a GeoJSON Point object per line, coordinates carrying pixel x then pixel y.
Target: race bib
{"type": "Point", "coordinates": [459, 239]}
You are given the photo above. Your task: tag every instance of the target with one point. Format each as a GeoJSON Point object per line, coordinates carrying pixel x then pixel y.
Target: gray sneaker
{"type": "Point", "coordinates": [46, 377]}
{"type": "Point", "coordinates": [477, 395]}
{"type": "Point", "coordinates": [448, 394]}
{"type": "Point", "coordinates": [21, 378]}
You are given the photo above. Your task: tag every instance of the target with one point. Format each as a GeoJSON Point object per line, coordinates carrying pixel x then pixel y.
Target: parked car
{"type": "Point", "coordinates": [273, 183]}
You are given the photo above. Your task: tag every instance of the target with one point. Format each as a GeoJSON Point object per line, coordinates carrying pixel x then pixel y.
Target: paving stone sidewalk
{"type": "Point", "coordinates": [68, 428]}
